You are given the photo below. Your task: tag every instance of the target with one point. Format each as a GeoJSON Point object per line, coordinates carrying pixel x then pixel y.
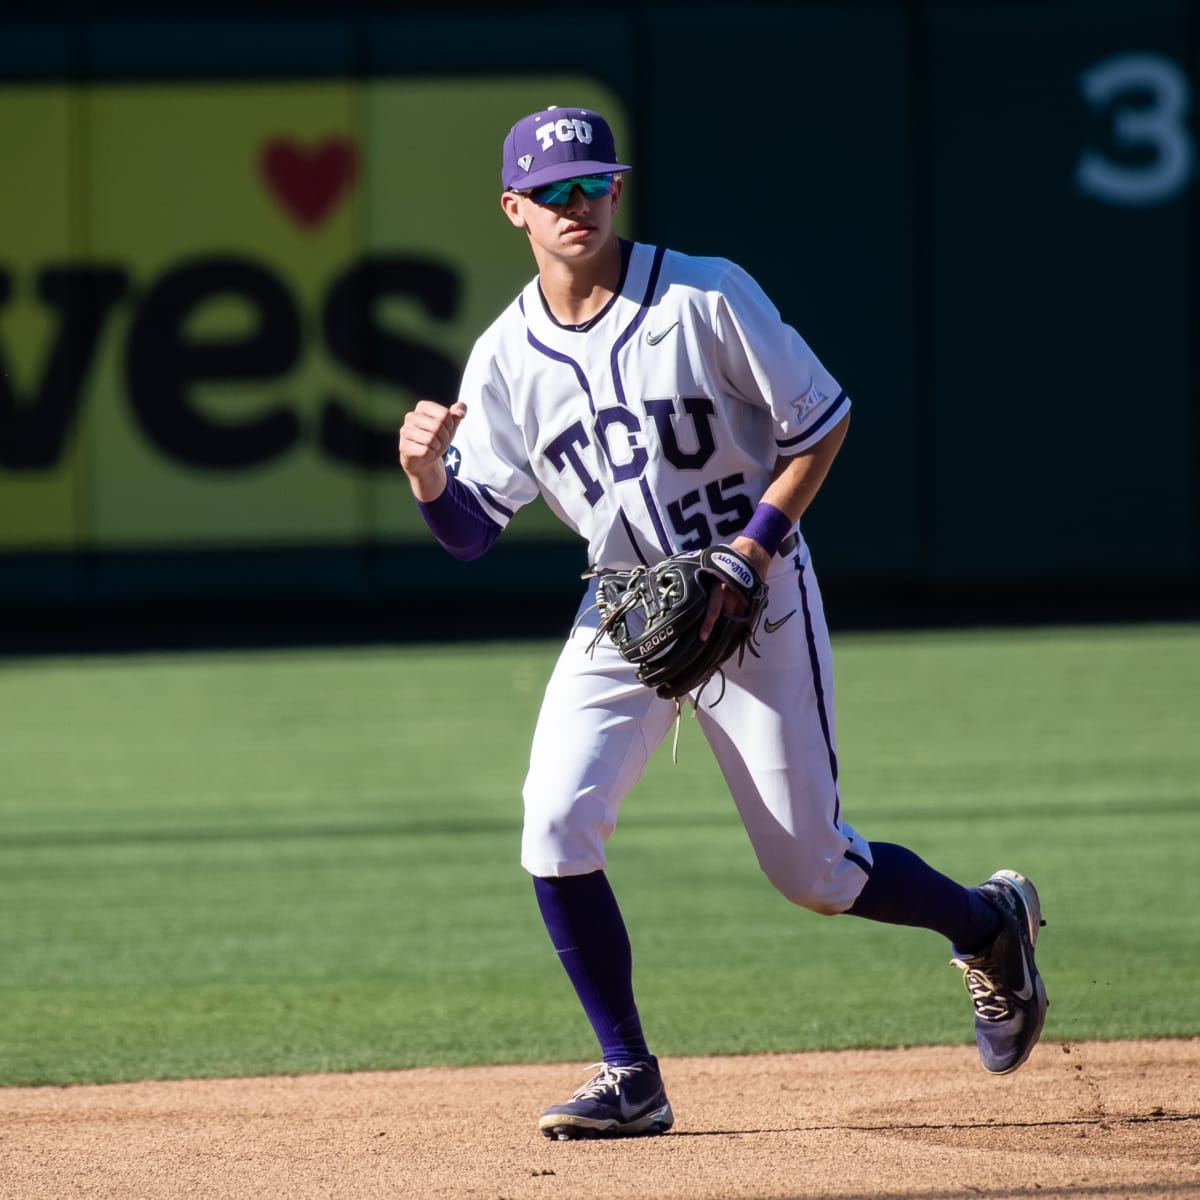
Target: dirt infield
{"type": "Point", "coordinates": [1078, 1121]}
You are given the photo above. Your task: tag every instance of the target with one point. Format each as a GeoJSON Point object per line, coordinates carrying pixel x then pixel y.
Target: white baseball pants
{"type": "Point", "coordinates": [772, 734]}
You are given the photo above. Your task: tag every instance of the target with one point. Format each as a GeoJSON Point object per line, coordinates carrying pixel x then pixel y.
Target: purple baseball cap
{"type": "Point", "coordinates": [557, 143]}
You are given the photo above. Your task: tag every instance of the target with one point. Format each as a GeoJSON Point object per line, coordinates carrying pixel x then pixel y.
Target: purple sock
{"type": "Point", "coordinates": [903, 890]}
{"type": "Point", "coordinates": [588, 931]}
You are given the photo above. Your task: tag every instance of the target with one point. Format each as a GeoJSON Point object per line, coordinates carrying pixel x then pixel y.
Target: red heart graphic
{"type": "Point", "coordinates": [308, 182]}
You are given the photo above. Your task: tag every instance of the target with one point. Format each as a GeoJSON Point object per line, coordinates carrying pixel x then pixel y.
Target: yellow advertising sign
{"type": "Point", "coordinates": [217, 301]}
{"type": "Point", "coordinates": [39, 505]}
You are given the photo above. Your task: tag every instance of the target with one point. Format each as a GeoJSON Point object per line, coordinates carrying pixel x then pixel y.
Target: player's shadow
{"type": "Point", "coordinates": [1083, 1191]}
{"type": "Point", "coordinates": [934, 1127]}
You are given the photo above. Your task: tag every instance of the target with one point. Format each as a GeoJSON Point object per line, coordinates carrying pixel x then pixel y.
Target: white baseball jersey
{"type": "Point", "coordinates": [655, 430]}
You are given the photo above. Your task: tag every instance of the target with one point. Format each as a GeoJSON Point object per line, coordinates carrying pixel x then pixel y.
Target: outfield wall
{"type": "Point", "coordinates": [235, 244]}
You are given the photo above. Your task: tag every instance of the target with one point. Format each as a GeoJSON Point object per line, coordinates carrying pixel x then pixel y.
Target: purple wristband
{"type": "Point", "coordinates": [768, 527]}
{"type": "Point", "coordinates": [457, 521]}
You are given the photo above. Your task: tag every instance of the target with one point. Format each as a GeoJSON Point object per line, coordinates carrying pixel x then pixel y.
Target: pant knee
{"type": "Point", "coordinates": [563, 838]}
{"type": "Point", "coordinates": [827, 891]}
{"type": "Point", "coordinates": [813, 901]}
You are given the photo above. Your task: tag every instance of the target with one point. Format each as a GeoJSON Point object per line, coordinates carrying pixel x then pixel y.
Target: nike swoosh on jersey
{"type": "Point", "coordinates": [771, 626]}
{"type": "Point", "coordinates": [652, 339]}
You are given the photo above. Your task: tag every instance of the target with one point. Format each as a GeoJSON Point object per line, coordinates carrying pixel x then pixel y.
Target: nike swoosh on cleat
{"type": "Point", "coordinates": [652, 339]}
{"type": "Point", "coordinates": [1025, 992]}
{"type": "Point", "coordinates": [772, 626]}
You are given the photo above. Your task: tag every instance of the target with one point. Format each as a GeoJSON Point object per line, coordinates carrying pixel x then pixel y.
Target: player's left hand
{"type": "Point", "coordinates": [723, 598]}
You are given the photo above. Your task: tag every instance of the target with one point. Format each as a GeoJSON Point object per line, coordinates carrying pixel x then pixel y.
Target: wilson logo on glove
{"type": "Point", "coordinates": [737, 568]}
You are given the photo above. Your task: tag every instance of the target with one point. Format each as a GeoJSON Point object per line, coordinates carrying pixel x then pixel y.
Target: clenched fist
{"type": "Point", "coordinates": [425, 435]}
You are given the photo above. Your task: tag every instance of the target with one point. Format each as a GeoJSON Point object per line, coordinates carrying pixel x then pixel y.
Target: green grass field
{"type": "Point", "coordinates": [231, 864]}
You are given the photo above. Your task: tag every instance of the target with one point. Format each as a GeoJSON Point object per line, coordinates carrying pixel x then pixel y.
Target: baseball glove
{"type": "Point", "coordinates": [653, 617]}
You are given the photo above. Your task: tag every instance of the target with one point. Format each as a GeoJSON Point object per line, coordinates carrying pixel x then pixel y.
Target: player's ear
{"type": "Point", "coordinates": [510, 203]}
{"type": "Point", "coordinates": [618, 184]}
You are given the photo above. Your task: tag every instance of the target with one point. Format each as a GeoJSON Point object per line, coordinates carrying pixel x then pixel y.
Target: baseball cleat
{"type": "Point", "coordinates": [1003, 981]}
{"type": "Point", "coordinates": [615, 1102]}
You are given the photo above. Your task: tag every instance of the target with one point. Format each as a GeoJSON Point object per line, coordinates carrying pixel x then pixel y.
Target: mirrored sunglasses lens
{"type": "Point", "coordinates": [595, 186]}
{"type": "Point", "coordinates": [592, 186]}
{"type": "Point", "coordinates": [553, 193]}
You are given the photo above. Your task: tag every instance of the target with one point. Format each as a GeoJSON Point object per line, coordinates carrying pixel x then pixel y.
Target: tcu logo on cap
{"type": "Point", "coordinates": [565, 131]}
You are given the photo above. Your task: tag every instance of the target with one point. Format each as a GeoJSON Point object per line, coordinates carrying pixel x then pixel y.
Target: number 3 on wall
{"type": "Point", "coordinates": [1148, 97]}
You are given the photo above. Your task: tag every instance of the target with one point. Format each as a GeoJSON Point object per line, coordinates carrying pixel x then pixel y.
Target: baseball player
{"type": "Point", "coordinates": [658, 403]}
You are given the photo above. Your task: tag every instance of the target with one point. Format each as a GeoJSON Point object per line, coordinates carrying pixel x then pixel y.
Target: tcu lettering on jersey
{"type": "Point", "coordinates": [565, 131]}
{"type": "Point", "coordinates": [620, 434]}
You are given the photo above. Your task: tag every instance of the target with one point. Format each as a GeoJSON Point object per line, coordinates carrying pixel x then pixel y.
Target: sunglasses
{"type": "Point", "coordinates": [592, 187]}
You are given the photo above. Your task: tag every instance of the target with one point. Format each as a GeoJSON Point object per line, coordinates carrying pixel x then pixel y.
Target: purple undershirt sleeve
{"type": "Point", "coordinates": [457, 521]}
